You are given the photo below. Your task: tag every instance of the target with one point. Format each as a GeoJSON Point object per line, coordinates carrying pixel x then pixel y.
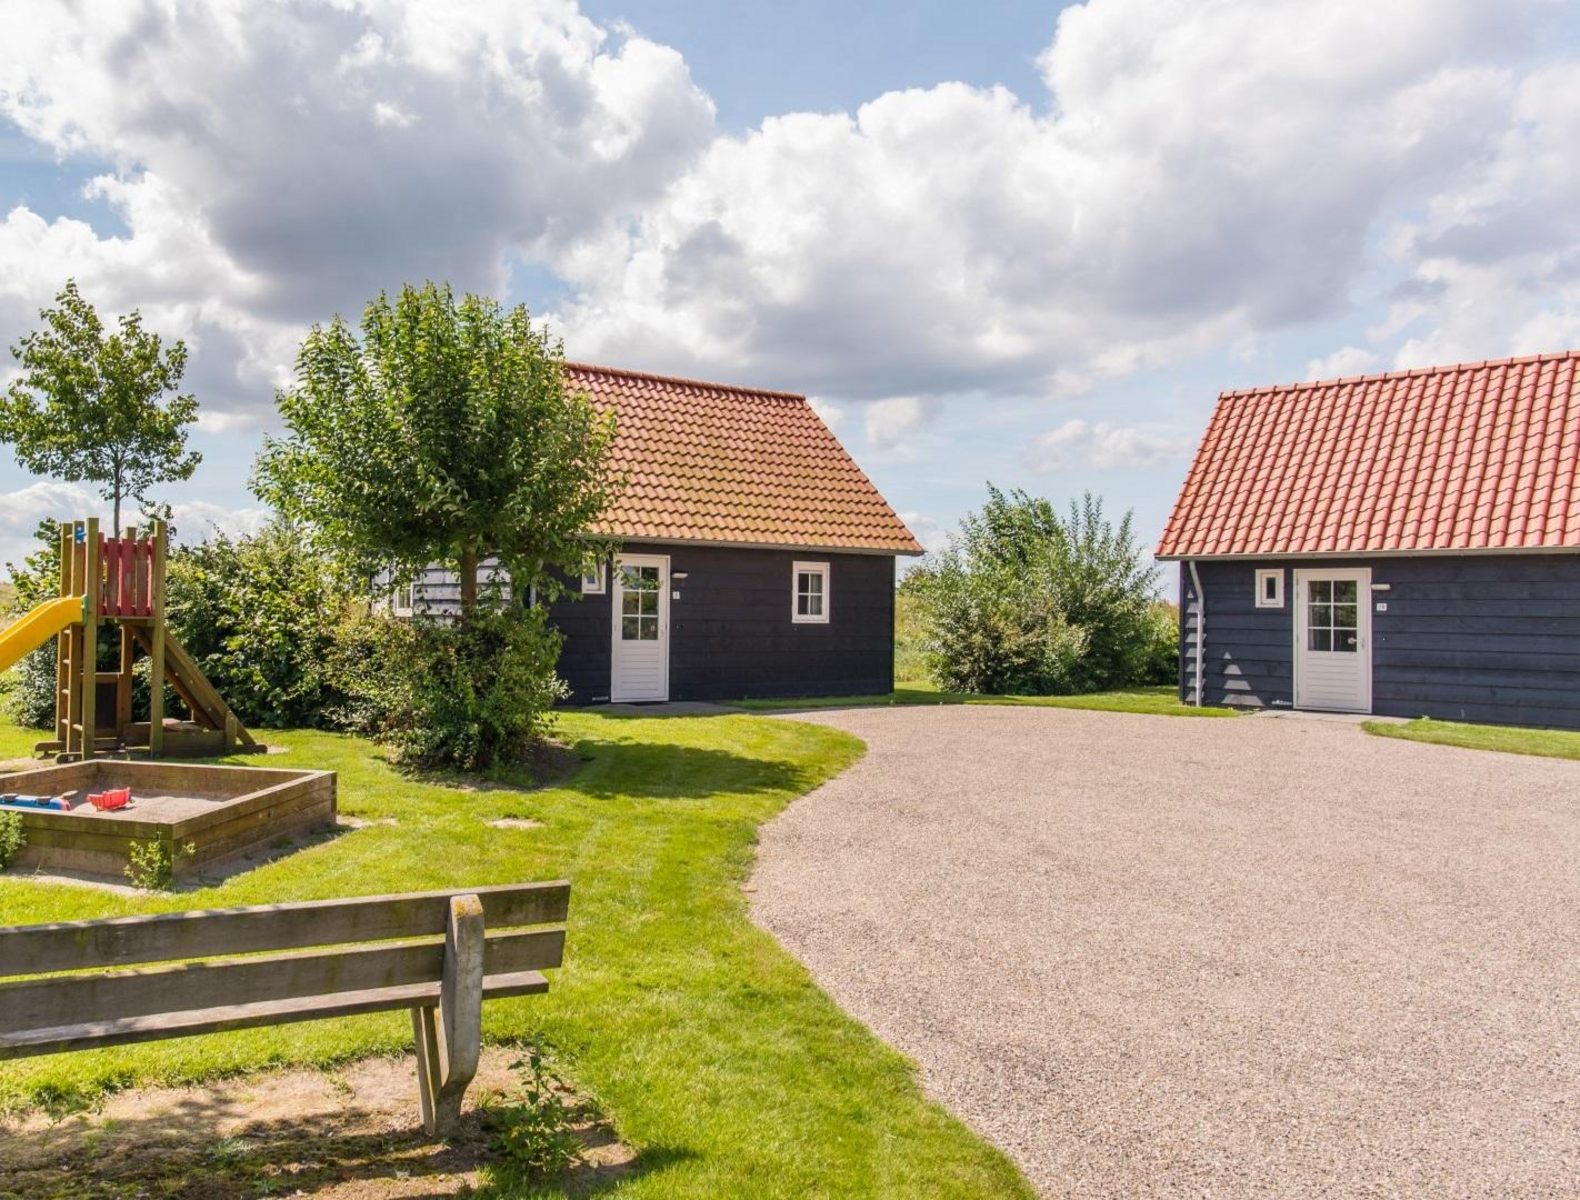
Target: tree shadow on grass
{"type": "Point", "coordinates": [645, 771]}
{"type": "Point", "coordinates": [203, 1148]}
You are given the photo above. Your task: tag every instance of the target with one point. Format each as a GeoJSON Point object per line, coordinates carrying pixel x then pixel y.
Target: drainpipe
{"type": "Point", "coordinates": [1201, 627]}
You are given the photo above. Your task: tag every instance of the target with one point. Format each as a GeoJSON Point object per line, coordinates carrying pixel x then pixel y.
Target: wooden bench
{"type": "Point", "coordinates": [473, 948]}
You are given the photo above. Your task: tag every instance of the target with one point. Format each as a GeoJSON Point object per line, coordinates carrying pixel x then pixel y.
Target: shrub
{"type": "Point", "coordinates": [1027, 601]}
{"type": "Point", "coordinates": [988, 634]}
{"type": "Point", "coordinates": [910, 632]}
{"type": "Point", "coordinates": [12, 838]}
{"type": "Point", "coordinates": [260, 614]}
{"type": "Point", "coordinates": [30, 686]}
{"type": "Point", "coordinates": [1161, 663]}
{"type": "Point", "coordinates": [470, 696]}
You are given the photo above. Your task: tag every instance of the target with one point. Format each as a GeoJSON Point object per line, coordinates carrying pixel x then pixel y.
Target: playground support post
{"type": "Point", "coordinates": [156, 645]}
{"type": "Point", "coordinates": [89, 727]}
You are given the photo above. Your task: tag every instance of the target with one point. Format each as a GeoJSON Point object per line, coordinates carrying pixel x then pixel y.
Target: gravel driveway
{"type": "Point", "coordinates": [1154, 956]}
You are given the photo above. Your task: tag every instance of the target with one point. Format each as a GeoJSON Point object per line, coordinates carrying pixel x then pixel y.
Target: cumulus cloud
{"type": "Point", "coordinates": [1198, 171]}
{"type": "Point", "coordinates": [1191, 175]}
{"type": "Point", "coordinates": [21, 511]}
{"type": "Point", "coordinates": [1499, 256]}
{"type": "Point", "coordinates": [1343, 362]}
{"type": "Point", "coordinates": [888, 421]}
{"type": "Point", "coordinates": [275, 163]}
{"type": "Point", "coordinates": [198, 520]}
{"type": "Point", "coordinates": [1105, 445]}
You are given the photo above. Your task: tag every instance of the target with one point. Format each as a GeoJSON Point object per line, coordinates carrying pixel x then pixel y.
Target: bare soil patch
{"type": "Point", "coordinates": [347, 1135]}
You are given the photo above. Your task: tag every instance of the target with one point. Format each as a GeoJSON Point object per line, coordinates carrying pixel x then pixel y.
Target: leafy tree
{"type": "Point", "coordinates": [444, 433]}
{"type": "Point", "coordinates": [90, 405]}
{"type": "Point", "coordinates": [1027, 600]}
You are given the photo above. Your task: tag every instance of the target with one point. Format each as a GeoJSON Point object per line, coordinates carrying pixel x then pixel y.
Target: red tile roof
{"type": "Point", "coordinates": [1482, 456]}
{"type": "Point", "coordinates": [710, 463]}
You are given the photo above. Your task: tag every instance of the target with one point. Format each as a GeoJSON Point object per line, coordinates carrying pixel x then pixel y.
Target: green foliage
{"type": "Point", "coordinates": [1025, 601]}
{"type": "Point", "coordinates": [261, 614]}
{"type": "Point", "coordinates": [151, 864]}
{"type": "Point", "coordinates": [531, 1128]}
{"type": "Point", "coordinates": [472, 695]}
{"type": "Point", "coordinates": [91, 405]}
{"type": "Point", "coordinates": [910, 633]}
{"type": "Point", "coordinates": [1161, 662]}
{"type": "Point", "coordinates": [29, 687]}
{"type": "Point", "coordinates": [443, 434]}
{"type": "Point", "coordinates": [12, 837]}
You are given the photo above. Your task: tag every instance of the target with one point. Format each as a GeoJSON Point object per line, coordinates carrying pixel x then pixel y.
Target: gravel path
{"type": "Point", "coordinates": [1155, 956]}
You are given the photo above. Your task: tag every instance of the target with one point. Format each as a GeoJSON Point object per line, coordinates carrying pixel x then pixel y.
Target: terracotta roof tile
{"type": "Point", "coordinates": [1480, 456]}
{"type": "Point", "coordinates": [710, 463]}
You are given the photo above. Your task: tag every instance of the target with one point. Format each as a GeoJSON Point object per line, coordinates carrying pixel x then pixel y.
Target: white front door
{"type": "Point", "coordinates": [639, 668]}
{"type": "Point", "coordinates": [1333, 637]}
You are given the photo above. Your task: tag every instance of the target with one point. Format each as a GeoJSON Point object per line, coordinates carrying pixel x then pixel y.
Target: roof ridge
{"type": "Point", "coordinates": [683, 379]}
{"type": "Point", "coordinates": [1401, 373]}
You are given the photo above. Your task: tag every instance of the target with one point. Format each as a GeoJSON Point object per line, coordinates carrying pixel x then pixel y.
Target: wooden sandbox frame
{"type": "Point", "coordinates": [224, 813]}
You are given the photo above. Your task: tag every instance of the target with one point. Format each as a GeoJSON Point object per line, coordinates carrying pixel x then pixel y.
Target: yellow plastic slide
{"type": "Point", "coordinates": [37, 627]}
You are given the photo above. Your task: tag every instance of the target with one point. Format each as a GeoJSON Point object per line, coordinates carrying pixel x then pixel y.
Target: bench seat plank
{"type": "Point", "coordinates": [157, 1026]}
{"type": "Point", "coordinates": [89, 999]}
{"type": "Point", "coordinates": [204, 933]}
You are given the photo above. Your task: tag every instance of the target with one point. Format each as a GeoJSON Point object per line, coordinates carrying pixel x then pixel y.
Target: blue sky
{"type": "Point", "coordinates": [1009, 242]}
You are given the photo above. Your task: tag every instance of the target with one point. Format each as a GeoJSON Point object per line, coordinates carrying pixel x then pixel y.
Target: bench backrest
{"type": "Point", "coordinates": [355, 926]}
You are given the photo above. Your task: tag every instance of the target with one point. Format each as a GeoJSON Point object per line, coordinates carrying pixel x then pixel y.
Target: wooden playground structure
{"type": "Point", "coordinates": [121, 581]}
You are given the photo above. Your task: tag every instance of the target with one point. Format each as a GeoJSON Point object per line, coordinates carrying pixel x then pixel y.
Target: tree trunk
{"type": "Point", "coordinates": [115, 520]}
{"type": "Point", "coordinates": [469, 567]}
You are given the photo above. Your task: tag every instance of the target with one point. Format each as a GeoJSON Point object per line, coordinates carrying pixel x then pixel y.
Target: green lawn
{"type": "Point", "coordinates": [708, 1046]}
{"type": "Point", "coordinates": [1161, 701]}
{"type": "Point", "coordinates": [1549, 743]}
{"type": "Point", "coordinates": [18, 743]}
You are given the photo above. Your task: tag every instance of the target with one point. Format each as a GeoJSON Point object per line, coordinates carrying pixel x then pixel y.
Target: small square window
{"type": "Point", "coordinates": [809, 596]}
{"type": "Point", "coordinates": [1270, 589]}
{"type": "Point", "coordinates": [593, 581]}
{"type": "Point", "coordinates": [404, 600]}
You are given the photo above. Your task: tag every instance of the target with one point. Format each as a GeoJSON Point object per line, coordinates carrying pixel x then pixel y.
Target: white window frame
{"type": "Point", "coordinates": [820, 569]}
{"type": "Point", "coordinates": [406, 592]}
{"type": "Point", "coordinates": [1276, 574]}
{"type": "Point", "coordinates": [601, 580]}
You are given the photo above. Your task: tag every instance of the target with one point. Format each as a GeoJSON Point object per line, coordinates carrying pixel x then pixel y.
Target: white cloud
{"type": "Point", "coordinates": [1499, 256]}
{"type": "Point", "coordinates": [1201, 170]}
{"type": "Point", "coordinates": [277, 163]}
{"type": "Point", "coordinates": [888, 421]}
{"type": "Point", "coordinates": [1105, 445]}
{"type": "Point", "coordinates": [22, 510]}
{"type": "Point", "coordinates": [831, 414]}
{"type": "Point", "coordinates": [198, 520]}
{"type": "Point", "coordinates": [930, 533]}
{"type": "Point", "coordinates": [1195, 174]}
{"type": "Point", "coordinates": [228, 422]}
{"type": "Point", "coordinates": [1342, 363]}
